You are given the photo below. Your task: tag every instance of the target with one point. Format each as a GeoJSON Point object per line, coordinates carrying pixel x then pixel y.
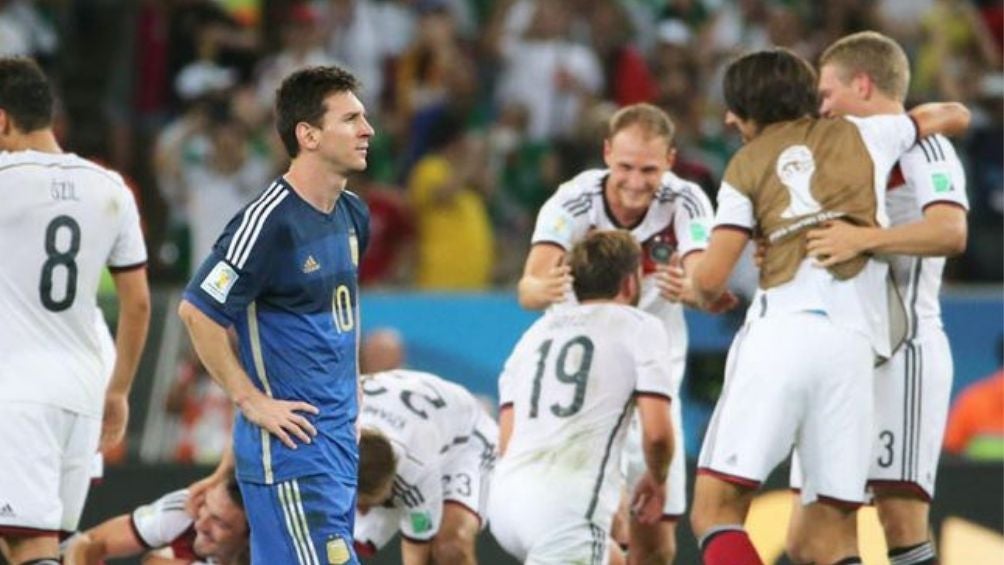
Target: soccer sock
{"type": "Point", "coordinates": [728, 545]}
{"type": "Point", "coordinates": [920, 554]}
{"type": "Point", "coordinates": [855, 560]}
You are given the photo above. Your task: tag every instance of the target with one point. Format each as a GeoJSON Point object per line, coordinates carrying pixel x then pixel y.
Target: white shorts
{"type": "Point", "coordinates": [633, 464]}
{"type": "Point", "coordinates": [46, 461]}
{"type": "Point", "coordinates": [539, 522]}
{"type": "Point", "coordinates": [795, 381]}
{"type": "Point", "coordinates": [912, 394]}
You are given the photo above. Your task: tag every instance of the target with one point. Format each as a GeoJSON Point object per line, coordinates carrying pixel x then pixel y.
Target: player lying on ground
{"type": "Point", "coordinates": [217, 533]}
{"type": "Point", "coordinates": [425, 458]}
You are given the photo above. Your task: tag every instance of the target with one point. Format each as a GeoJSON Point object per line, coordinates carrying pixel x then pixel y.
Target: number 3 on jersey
{"type": "Point", "coordinates": [577, 351]}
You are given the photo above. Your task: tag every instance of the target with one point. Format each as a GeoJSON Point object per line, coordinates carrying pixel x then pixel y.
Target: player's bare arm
{"type": "Point", "coordinates": [946, 118]}
{"type": "Point", "coordinates": [649, 495]}
{"type": "Point", "coordinates": [130, 336]}
{"type": "Point", "coordinates": [505, 427]}
{"type": "Point", "coordinates": [942, 232]}
{"type": "Point", "coordinates": [545, 280]}
{"type": "Point", "coordinates": [114, 538]}
{"type": "Point", "coordinates": [711, 274]}
{"type": "Point", "coordinates": [415, 552]}
{"type": "Point", "coordinates": [279, 417]}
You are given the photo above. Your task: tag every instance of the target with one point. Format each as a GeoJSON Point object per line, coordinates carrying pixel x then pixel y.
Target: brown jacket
{"type": "Point", "coordinates": [799, 174]}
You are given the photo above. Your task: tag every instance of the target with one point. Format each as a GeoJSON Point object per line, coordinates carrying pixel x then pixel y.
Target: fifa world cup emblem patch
{"type": "Point", "coordinates": [338, 551]}
{"type": "Point", "coordinates": [354, 248]}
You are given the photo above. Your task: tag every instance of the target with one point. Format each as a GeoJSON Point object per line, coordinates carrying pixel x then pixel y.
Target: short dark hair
{"type": "Point", "coordinates": [377, 463]}
{"type": "Point", "coordinates": [25, 94]}
{"type": "Point", "coordinates": [770, 86]}
{"type": "Point", "coordinates": [234, 490]}
{"type": "Point", "coordinates": [300, 98]}
{"type": "Point", "coordinates": [601, 261]}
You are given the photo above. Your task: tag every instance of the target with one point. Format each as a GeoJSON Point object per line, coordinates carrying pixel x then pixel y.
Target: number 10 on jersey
{"type": "Point", "coordinates": [342, 310]}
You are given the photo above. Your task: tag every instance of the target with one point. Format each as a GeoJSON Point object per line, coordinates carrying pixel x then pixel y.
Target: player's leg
{"type": "Point", "coordinates": [652, 544]}
{"type": "Point", "coordinates": [304, 521]}
{"type": "Point", "coordinates": [912, 394]}
{"type": "Point", "coordinates": [719, 511]}
{"type": "Point", "coordinates": [33, 436]}
{"type": "Point", "coordinates": [756, 396]}
{"type": "Point", "coordinates": [834, 447]}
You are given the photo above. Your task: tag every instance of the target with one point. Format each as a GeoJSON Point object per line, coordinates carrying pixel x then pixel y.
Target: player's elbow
{"type": "Point", "coordinates": [187, 312]}
{"type": "Point", "coordinates": [955, 238]}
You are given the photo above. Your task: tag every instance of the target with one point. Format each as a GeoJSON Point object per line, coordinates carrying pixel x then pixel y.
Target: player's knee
{"type": "Point", "coordinates": [453, 549]}
{"type": "Point", "coordinates": [798, 551]}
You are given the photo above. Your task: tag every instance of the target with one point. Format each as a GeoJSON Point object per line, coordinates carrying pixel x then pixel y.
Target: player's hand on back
{"type": "Point", "coordinates": [648, 499]}
{"type": "Point", "coordinates": [280, 417]}
{"type": "Point", "coordinates": [114, 420]}
{"type": "Point", "coordinates": [554, 285]}
{"type": "Point", "coordinates": [836, 242]}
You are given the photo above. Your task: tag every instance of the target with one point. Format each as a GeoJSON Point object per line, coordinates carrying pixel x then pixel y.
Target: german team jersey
{"type": "Point", "coordinates": [62, 221]}
{"type": "Point", "coordinates": [679, 220]}
{"type": "Point", "coordinates": [284, 275]}
{"type": "Point", "coordinates": [929, 173]}
{"type": "Point", "coordinates": [165, 523]}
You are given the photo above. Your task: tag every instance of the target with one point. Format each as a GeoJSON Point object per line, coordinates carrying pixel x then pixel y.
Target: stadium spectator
{"type": "Point", "coordinates": [447, 189]}
{"type": "Point", "coordinates": [976, 421]}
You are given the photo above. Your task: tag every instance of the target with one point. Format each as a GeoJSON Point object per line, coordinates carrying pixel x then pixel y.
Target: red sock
{"type": "Point", "coordinates": [730, 547]}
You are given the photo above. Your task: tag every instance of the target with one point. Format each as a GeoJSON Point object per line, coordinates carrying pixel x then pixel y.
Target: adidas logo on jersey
{"type": "Point", "coordinates": [310, 265]}
{"type": "Point", "coordinates": [7, 511]}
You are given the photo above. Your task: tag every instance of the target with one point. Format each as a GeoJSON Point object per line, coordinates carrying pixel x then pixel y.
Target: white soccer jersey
{"type": "Point", "coordinates": [679, 219]}
{"type": "Point", "coordinates": [571, 382]}
{"type": "Point", "coordinates": [425, 418]}
{"type": "Point", "coordinates": [860, 303]}
{"type": "Point", "coordinates": [929, 173]}
{"type": "Point", "coordinates": [163, 521]}
{"type": "Point", "coordinates": [62, 221]}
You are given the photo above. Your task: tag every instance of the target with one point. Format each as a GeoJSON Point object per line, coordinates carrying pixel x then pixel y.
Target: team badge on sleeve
{"type": "Point", "coordinates": [699, 232]}
{"type": "Point", "coordinates": [219, 281]}
{"type": "Point", "coordinates": [942, 183]}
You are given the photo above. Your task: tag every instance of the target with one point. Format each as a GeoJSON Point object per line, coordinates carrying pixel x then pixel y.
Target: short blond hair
{"type": "Point", "coordinates": [651, 119]}
{"type": "Point", "coordinates": [872, 54]}
{"type": "Point", "coordinates": [601, 262]}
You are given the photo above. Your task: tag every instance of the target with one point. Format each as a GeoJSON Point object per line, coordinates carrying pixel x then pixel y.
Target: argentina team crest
{"type": "Point", "coordinates": [354, 248]}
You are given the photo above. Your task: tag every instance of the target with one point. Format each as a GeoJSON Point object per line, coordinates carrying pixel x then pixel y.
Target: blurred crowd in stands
{"type": "Point", "coordinates": [482, 107]}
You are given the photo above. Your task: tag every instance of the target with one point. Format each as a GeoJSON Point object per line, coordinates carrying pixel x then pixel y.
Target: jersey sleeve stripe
{"type": "Point", "coordinates": [257, 229]}
{"type": "Point", "coordinates": [126, 268]}
{"type": "Point", "coordinates": [136, 534]}
{"type": "Point", "coordinates": [250, 214]}
{"type": "Point", "coordinates": [935, 142]}
{"type": "Point", "coordinates": [958, 205]}
{"type": "Point", "coordinates": [654, 394]}
{"type": "Point", "coordinates": [923, 148]}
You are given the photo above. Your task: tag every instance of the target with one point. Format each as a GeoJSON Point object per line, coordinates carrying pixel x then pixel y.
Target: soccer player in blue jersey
{"type": "Point", "coordinates": [284, 276]}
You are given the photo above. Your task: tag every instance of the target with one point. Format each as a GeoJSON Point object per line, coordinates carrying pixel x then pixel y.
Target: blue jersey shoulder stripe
{"type": "Point", "coordinates": [257, 230]}
{"type": "Point", "coordinates": [254, 217]}
{"type": "Point", "coordinates": [248, 219]}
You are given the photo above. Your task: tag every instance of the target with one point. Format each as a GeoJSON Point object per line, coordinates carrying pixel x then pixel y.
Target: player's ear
{"type": "Point", "coordinates": [306, 135]}
{"type": "Point", "coordinates": [671, 157]}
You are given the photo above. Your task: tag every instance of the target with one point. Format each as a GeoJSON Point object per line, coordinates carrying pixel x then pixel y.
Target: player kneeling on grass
{"type": "Point", "coordinates": [567, 394]}
{"type": "Point", "coordinates": [425, 456]}
{"type": "Point", "coordinates": [218, 534]}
